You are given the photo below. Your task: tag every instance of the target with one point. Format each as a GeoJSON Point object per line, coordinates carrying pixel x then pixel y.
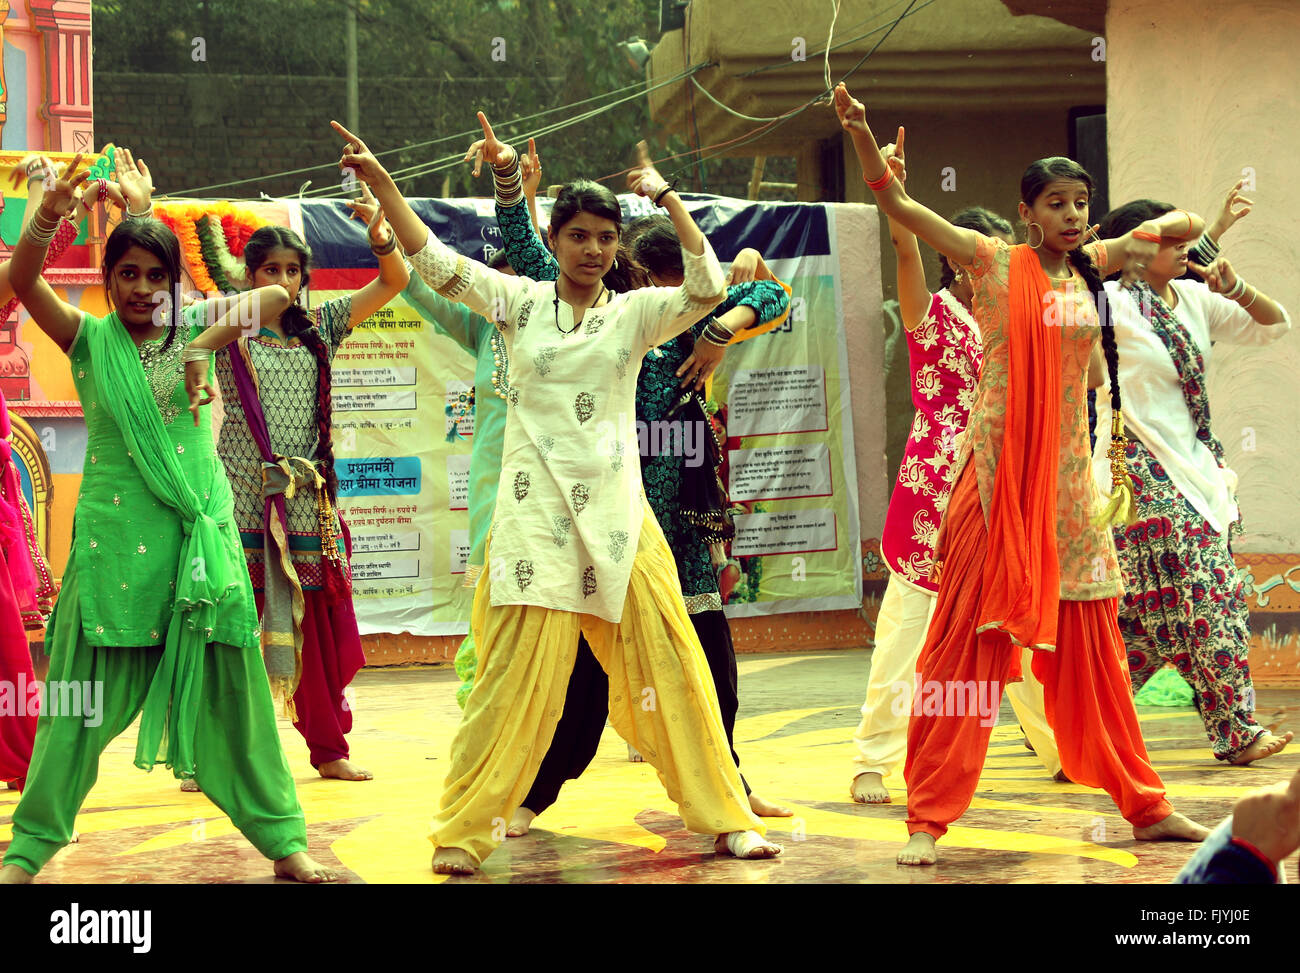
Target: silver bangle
{"type": "Point", "coordinates": [189, 353]}
{"type": "Point", "coordinates": [139, 216]}
{"type": "Point", "coordinates": [1238, 289]}
{"type": "Point", "coordinates": [1254, 294]}
{"type": "Point", "coordinates": [39, 238]}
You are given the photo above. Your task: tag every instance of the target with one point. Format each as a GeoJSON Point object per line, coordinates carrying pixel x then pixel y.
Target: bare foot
{"type": "Point", "coordinates": [766, 809]}
{"type": "Point", "coordinates": [919, 850]}
{"type": "Point", "coordinates": [520, 823]}
{"type": "Point", "coordinates": [13, 785]}
{"type": "Point", "coordinates": [298, 867]}
{"type": "Point", "coordinates": [191, 786]}
{"type": "Point", "coordinates": [1175, 827]}
{"type": "Point", "coordinates": [633, 755]}
{"type": "Point", "coordinates": [1265, 745]}
{"type": "Point", "coordinates": [13, 875]}
{"type": "Point", "coordinates": [870, 788]}
{"type": "Point", "coordinates": [453, 861]}
{"type": "Point", "coordinates": [344, 770]}
{"type": "Point", "coordinates": [748, 845]}
{"type": "Point", "coordinates": [1060, 778]}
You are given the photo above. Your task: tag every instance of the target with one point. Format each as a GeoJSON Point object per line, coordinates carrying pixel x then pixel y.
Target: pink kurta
{"type": "Point", "coordinates": [944, 356]}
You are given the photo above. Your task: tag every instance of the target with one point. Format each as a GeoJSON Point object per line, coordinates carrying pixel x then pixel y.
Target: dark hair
{"type": "Point", "coordinates": [498, 259]}
{"type": "Point", "coordinates": [1036, 179]}
{"type": "Point", "coordinates": [585, 196]}
{"type": "Point", "coordinates": [634, 229]}
{"type": "Point", "coordinates": [658, 250]}
{"type": "Point", "coordinates": [975, 218]}
{"type": "Point", "coordinates": [157, 238]}
{"type": "Point", "coordinates": [297, 323]}
{"type": "Point", "coordinates": [626, 274]}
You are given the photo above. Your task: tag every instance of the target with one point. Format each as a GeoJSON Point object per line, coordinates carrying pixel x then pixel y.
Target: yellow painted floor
{"type": "Point", "coordinates": [797, 717]}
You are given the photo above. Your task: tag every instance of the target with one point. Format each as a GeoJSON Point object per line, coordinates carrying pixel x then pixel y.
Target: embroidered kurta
{"type": "Point", "coordinates": [287, 376]}
{"type": "Point", "coordinates": [1155, 410]}
{"type": "Point", "coordinates": [1089, 569]}
{"type": "Point", "coordinates": [569, 500]}
{"type": "Point", "coordinates": [126, 542]}
{"type": "Point", "coordinates": [473, 332]}
{"type": "Point", "coordinates": [944, 355]}
{"type": "Point", "coordinates": [657, 389]}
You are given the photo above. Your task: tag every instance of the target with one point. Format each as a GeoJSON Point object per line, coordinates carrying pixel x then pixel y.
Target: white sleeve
{"type": "Point", "coordinates": [1226, 320]}
{"type": "Point", "coordinates": [484, 291]}
{"type": "Point", "coordinates": [664, 313]}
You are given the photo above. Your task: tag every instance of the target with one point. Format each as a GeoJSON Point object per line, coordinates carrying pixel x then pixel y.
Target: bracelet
{"type": "Point", "coordinates": [38, 238]}
{"type": "Point", "coordinates": [716, 334]}
{"type": "Point", "coordinates": [1237, 290]}
{"type": "Point", "coordinates": [667, 188]}
{"type": "Point", "coordinates": [190, 353]}
{"type": "Point", "coordinates": [1189, 220]}
{"type": "Point", "coordinates": [879, 185]}
{"type": "Point", "coordinates": [1144, 235]}
{"type": "Point", "coordinates": [387, 248]}
{"type": "Point", "coordinates": [139, 216]}
{"type": "Point", "coordinates": [1254, 293]}
{"type": "Point", "coordinates": [1206, 244]}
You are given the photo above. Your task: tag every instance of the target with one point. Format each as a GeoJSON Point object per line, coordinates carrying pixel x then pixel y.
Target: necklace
{"type": "Point", "coordinates": [557, 309]}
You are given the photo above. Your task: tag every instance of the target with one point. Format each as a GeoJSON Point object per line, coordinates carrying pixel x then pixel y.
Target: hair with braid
{"type": "Point", "coordinates": [626, 274]}
{"type": "Point", "coordinates": [298, 323]}
{"type": "Point", "coordinates": [156, 237]}
{"type": "Point", "coordinates": [975, 218]}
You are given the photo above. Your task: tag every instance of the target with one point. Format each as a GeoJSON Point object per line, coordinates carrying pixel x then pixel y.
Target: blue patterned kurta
{"type": "Point", "coordinates": [657, 389]}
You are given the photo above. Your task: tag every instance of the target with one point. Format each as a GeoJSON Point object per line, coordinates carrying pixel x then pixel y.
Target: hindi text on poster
{"type": "Point", "coordinates": [770, 401]}
{"type": "Point", "coordinates": [780, 472]}
{"type": "Point", "coordinates": [786, 532]}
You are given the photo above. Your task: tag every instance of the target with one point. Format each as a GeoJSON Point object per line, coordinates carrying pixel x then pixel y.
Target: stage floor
{"type": "Point", "coordinates": [794, 735]}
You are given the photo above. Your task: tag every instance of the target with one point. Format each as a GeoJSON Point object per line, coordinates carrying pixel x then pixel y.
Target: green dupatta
{"type": "Point", "coordinates": [203, 574]}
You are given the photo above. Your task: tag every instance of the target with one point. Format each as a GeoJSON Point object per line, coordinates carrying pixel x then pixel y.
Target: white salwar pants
{"type": "Point", "coordinates": [881, 738]}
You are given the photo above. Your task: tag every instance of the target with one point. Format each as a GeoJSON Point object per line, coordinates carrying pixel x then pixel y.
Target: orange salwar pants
{"type": "Point", "coordinates": [1086, 692]}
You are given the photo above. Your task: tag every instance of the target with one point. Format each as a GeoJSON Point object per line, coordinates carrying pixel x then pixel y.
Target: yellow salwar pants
{"type": "Point", "coordinates": [661, 700]}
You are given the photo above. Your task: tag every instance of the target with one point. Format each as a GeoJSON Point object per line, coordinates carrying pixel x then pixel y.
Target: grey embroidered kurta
{"type": "Point", "coordinates": [569, 501]}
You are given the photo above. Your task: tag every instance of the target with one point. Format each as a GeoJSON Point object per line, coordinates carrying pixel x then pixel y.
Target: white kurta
{"type": "Point", "coordinates": [570, 501]}
{"type": "Point", "coordinates": [1155, 411]}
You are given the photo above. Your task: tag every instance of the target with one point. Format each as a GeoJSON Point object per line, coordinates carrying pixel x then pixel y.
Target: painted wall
{"type": "Point", "coordinates": [1197, 97]}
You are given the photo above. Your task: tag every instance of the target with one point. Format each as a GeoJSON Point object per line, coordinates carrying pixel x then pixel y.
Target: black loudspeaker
{"type": "Point", "coordinates": [672, 15]}
{"type": "Point", "coordinates": [1088, 148]}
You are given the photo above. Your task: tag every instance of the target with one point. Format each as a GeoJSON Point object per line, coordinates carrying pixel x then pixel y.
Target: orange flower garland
{"type": "Point", "coordinates": [237, 224]}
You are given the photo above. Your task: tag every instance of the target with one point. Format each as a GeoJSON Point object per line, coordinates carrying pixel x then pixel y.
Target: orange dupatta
{"type": "Point", "coordinates": [1021, 571]}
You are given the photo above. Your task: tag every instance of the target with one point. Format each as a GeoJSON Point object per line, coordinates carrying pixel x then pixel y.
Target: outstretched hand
{"type": "Point", "coordinates": [893, 153]}
{"type": "Point", "coordinates": [852, 113]}
{"type": "Point", "coordinates": [367, 210]}
{"type": "Point", "coordinates": [1218, 276]}
{"type": "Point", "coordinates": [644, 179]}
{"type": "Point", "coordinates": [530, 168]}
{"type": "Point", "coordinates": [62, 196]}
{"type": "Point", "coordinates": [358, 158]}
{"type": "Point", "coordinates": [134, 179]}
{"type": "Point", "coordinates": [1228, 215]}
{"type": "Point", "coordinates": [490, 149]}
{"type": "Point", "coordinates": [197, 387]}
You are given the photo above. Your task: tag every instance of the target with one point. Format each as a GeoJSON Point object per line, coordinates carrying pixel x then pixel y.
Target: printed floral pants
{"type": "Point", "coordinates": [1183, 603]}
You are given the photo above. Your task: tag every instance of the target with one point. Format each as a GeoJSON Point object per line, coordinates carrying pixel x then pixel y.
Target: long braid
{"type": "Point", "coordinates": [298, 324]}
{"type": "Point", "coordinates": [1119, 509]}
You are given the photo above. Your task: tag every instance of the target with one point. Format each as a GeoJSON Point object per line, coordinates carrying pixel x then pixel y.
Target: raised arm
{"type": "Point", "coordinates": [519, 232]}
{"type": "Point", "coordinates": [1136, 248]}
{"type": "Point", "coordinates": [954, 242]}
{"type": "Point", "coordinates": [242, 316]}
{"type": "Point", "coordinates": [913, 294]}
{"type": "Point", "coordinates": [1222, 279]}
{"type": "Point", "coordinates": [455, 277]}
{"type": "Point", "coordinates": [393, 272]}
{"type": "Point", "coordinates": [57, 318]}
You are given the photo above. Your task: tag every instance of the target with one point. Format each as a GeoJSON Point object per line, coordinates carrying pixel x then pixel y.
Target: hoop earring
{"type": "Point", "coordinates": [1029, 233]}
{"type": "Point", "coordinates": [615, 267]}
